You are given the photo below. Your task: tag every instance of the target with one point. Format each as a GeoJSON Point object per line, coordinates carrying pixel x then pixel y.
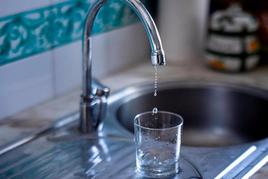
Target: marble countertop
{"type": "Point", "coordinates": [42, 116]}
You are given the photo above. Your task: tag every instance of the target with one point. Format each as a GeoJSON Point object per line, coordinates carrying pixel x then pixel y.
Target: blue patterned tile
{"type": "Point", "coordinates": [39, 30]}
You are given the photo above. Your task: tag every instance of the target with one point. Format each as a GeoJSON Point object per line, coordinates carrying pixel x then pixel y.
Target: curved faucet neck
{"type": "Point", "coordinates": [87, 48]}
{"type": "Point", "coordinates": [157, 56]}
{"type": "Point", "coordinates": [157, 52]}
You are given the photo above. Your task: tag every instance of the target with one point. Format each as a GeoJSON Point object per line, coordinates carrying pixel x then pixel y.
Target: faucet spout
{"type": "Point", "coordinates": [157, 52]}
{"type": "Point", "coordinates": [88, 120]}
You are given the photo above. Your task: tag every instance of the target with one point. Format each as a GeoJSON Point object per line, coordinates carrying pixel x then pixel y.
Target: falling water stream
{"type": "Point", "coordinates": [155, 110]}
{"type": "Point", "coordinates": [155, 80]}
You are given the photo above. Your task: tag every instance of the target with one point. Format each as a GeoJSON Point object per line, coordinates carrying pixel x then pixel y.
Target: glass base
{"type": "Point", "coordinates": [158, 173]}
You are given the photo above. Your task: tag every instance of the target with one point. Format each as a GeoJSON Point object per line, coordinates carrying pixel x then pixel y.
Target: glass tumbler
{"type": "Point", "coordinates": [158, 141]}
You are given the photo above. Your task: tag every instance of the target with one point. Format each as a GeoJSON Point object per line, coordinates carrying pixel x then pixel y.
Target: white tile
{"type": "Point", "coordinates": [68, 63]}
{"type": "Point", "coordinates": [112, 51]}
{"type": "Point", "coordinates": [10, 7]}
{"type": "Point", "coordinates": [25, 83]}
{"type": "Point", "coordinates": [182, 27]}
{"type": "Point", "coordinates": [67, 67]}
{"type": "Point", "coordinates": [127, 46]}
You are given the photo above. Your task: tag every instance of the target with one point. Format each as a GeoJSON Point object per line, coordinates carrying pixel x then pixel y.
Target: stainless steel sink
{"type": "Point", "coordinates": [214, 114]}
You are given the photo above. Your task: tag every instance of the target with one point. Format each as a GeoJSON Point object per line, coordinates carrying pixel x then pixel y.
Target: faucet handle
{"type": "Point", "coordinates": [101, 95]}
{"type": "Point", "coordinates": [94, 108]}
{"type": "Point", "coordinates": [103, 92]}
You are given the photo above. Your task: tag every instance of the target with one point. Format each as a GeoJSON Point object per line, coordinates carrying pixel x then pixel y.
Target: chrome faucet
{"type": "Point", "coordinates": [95, 99]}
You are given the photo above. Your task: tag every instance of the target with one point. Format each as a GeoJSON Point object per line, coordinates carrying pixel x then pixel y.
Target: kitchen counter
{"type": "Point", "coordinates": [42, 116]}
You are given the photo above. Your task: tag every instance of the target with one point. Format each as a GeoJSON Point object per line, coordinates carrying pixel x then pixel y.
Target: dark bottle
{"type": "Point", "coordinates": [232, 44]}
{"type": "Point", "coordinates": [260, 10]}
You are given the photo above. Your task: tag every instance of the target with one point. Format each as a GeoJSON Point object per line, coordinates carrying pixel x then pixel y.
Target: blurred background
{"type": "Point", "coordinates": [40, 46]}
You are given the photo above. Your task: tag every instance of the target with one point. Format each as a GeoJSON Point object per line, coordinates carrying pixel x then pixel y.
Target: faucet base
{"type": "Point", "coordinates": [86, 117]}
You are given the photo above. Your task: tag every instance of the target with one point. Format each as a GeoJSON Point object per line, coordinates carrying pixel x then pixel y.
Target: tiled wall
{"type": "Point", "coordinates": [182, 28]}
{"type": "Point", "coordinates": [40, 50]}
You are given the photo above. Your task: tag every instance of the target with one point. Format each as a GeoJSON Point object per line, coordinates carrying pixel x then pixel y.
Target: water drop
{"type": "Point", "coordinates": [155, 111]}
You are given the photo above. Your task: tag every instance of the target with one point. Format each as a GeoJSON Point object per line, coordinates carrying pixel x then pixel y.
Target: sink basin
{"type": "Point", "coordinates": [214, 114]}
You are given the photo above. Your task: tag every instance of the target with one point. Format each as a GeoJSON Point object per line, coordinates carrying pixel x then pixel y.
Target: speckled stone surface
{"type": "Point", "coordinates": [43, 115]}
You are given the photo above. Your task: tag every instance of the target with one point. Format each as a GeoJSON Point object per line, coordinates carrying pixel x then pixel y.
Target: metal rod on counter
{"type": "Point", "coordinates": [237, 161]}
{"type": "Point", "coordinates": [256, 168]}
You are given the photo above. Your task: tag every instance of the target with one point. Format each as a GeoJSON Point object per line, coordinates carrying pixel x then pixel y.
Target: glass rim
{"type": "Point", "coordinates": [163, 112]}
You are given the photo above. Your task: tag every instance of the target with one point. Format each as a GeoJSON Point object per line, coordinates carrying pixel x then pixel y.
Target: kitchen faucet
{"type": "Point", "coordinates": [93, 101]}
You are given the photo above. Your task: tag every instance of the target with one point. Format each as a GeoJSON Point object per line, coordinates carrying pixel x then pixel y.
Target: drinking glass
{"type": "Point", "coordinates": [158, 141]}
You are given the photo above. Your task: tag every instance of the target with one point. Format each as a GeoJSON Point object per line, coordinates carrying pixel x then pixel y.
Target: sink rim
{"type": "Point", "coordinates": [166, 84]}
{"type": "Point", "coordinates": [203, 158]}
{"type": "Point", "coordinates": [131, 92]}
